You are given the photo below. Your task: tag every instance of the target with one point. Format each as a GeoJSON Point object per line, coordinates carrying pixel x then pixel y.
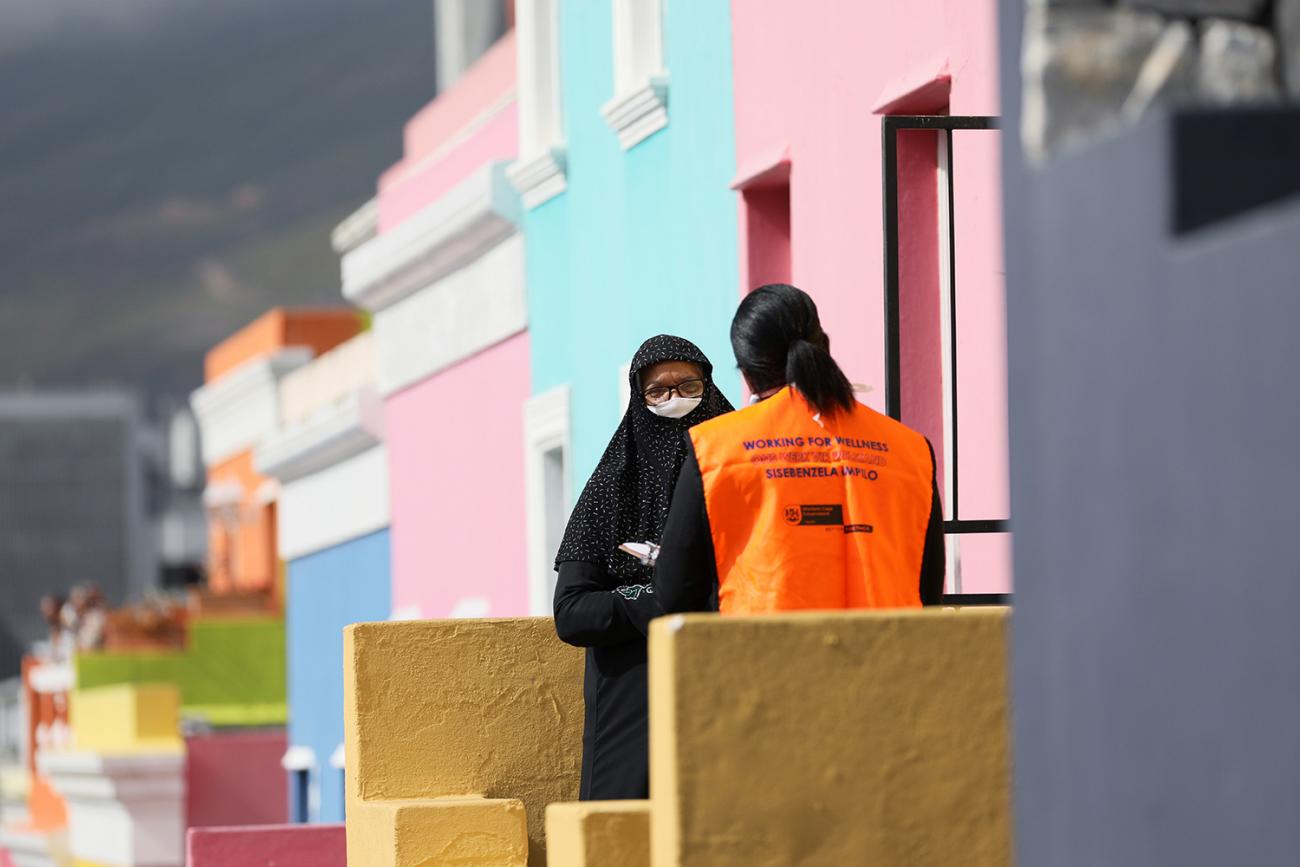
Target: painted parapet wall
{"type": "Point", "coordinates": [126, 718]}
{"type": "Point", "coordinates": [343, 584]}
{"type": "Point", "coordinates": [814, 117]}
{"type": "Point", "coordinates": [232, 671]}
{"type": "Point", "coordinates": [596, 833]}
{"type": "Point", "coordinates": [233, 777]}
{"type": "Point", "coordinates": [266, 846]}
{"type": "Point", "coordinates": [642, 241]}
{"type": "Point", "coordinates": [1157, 716]}
{"type": "Point", "coordinates": [831, 738]}
{"type": "Point", "coordinates": [454, 708]}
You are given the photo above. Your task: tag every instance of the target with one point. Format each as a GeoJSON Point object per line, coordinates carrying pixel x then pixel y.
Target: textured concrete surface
{"type": "Point", "coordinates": [599, 834]}
{"type": "Point", "coordinates": [126, 719]}
{"type": "Point", "coordinates": [830, 738]}
{"type": "Point", "coordinates": [453, 708]}
{"type": "Point", "coordinates": [266, 846]}
{"type": "Point", "coordinates": [468, 832]}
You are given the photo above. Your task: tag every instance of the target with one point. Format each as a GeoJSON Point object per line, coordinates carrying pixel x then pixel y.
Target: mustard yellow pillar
{"type": "Point", "coordinates": [598, 833]}
{"type": "Point", "coordinates": [455, 709]}
{"type": "Point", "coordinates": [830, 738]}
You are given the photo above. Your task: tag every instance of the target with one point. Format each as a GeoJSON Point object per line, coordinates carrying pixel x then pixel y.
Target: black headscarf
{"type": "Point", "coordinates": [627, 497]}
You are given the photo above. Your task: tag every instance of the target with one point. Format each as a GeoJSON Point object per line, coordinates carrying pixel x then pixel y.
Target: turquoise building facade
{"type": "Point", "coordinates": [641, 241]}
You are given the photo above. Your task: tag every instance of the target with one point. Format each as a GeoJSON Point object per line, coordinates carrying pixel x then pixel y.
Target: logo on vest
{"type": "Point", "coordinates": [815, 515]}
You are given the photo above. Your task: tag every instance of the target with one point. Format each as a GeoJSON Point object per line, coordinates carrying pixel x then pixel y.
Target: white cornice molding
{"type": "Point", "coordinates": [547, 426]}
{"type": "Point", "coordinates": [357, 228]}
{"type": "Point", "coordinates": [540, 177]}
{"type": "Point", "coordinates": [640, 113]}
{"type": "Point", "coordinates": [94, 777]}
{"type": "Point", "coordinates": [332, 435]}
{"type": "Point", "coordinates": [478, 306]}
{"type": "Point", "coordinates": [309, 518]}
{"type": "Point", "coordinates": [237, 409]}
{"type": "Point", "coordinates": [474, 216]}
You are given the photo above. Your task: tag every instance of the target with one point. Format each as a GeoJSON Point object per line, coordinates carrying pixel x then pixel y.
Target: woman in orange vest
{"type": "Point", "coordinates": [806, 499]}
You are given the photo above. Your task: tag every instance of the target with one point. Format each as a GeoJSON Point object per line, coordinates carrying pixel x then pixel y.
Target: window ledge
{"type": "Point", "coordinates": [540, 177]}
{"type": "Point", "coordinates": [640, 113]}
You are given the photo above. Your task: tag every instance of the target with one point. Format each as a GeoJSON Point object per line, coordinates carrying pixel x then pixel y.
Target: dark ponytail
{"type": "Point", "coordinates": [778, 340]}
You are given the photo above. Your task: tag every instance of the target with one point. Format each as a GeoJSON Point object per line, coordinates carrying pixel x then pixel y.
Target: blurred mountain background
{"type": "Point", "coordinates": [171, 168]}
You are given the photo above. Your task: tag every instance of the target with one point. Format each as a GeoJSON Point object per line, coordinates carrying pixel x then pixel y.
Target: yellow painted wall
{"type": "Point", "coordinates": [830, 738]}
{"type": "Point", "coordinates": [598, 834]}
{"type": "Point", "coordinates": [458, 707]}
{"type": "Point", "coordinates": [126, 718]}
{"type": "Point", "coordinates": [467, 832]}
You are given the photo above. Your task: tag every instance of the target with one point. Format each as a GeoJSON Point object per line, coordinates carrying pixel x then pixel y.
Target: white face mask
{"type": "Point", "coordinates": [676, 407]}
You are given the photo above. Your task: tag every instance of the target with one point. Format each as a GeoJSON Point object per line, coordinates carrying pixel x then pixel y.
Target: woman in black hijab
{"type": "Point", "coordinates": [604, 599]}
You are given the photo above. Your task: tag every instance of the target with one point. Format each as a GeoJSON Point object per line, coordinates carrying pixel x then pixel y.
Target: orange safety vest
{"type": "Point", "coordinates": [814, 513]}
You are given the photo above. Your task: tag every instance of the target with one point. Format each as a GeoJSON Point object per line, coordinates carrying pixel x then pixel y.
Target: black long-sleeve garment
{"type": "Point", "coordinates": [686, 572]}
{"type": "Point", "coordinates": [611, 624]}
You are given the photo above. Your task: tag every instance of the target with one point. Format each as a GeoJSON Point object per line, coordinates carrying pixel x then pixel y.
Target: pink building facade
{"type": "Point", "coordinates": [444, 277]}
{"type": "Point", "coordinates": [812, 82]}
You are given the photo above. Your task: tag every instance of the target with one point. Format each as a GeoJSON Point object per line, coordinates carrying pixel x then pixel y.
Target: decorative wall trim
{"type": "Point", "coordinates": [122, 809]}
{"type": "Point", "coordinates": [637, 115]}
{"type": "Point", "coordinates": [343, 501]}
{"type": "Point", "coordinates": [474, 216]}
{"type": "Point", "coordinates": [541, 177]}
{"type": "Point", "coordinates": [465, 312]}
{"type": "Point", "coordinates": [547, 426]}
{"type": "Point", "coordinates": [538, 174]}
{"type": "Point", "coordinates": [239, 408]}
{"type": "Point", "coordinates": [332, 376]}
{"type": "Point", "coordinates": [357, 228]}
{"type": "Point", "coordinates": [333, 434]}
{"type": "Point", "coordinates": [298, 758]}
{"type": "Point", "coordinates": [771, 167]}
{"type": "Point", "coordinates": [640, 104]}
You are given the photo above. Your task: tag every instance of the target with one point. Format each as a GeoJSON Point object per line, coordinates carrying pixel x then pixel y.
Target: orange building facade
{"type": "Point", "coordinates": [237, 406]}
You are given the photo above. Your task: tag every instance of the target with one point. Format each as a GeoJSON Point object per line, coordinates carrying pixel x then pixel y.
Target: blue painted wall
{"type": "Point", "coordinates": [642, 241]}
{"type": "Point", "coordinates": [328, 590]}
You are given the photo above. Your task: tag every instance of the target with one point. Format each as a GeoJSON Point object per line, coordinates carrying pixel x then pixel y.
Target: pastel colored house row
{"type": "Point", "coordinates": [395, 447]}
{"type": "Point", "coordinates": [675, 156]}
{"type": "Point", "coordinates": [328, 458]}
{"type": "Point", "coordinates": [632, 234]}
{"type": "Point", "coordinates": [115, 780]}
{"type": "Point", "coordinates": [603, 171]}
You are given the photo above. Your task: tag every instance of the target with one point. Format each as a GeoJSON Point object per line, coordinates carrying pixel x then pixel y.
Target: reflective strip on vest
{"type": "Point", "coordinates": [810, 513]}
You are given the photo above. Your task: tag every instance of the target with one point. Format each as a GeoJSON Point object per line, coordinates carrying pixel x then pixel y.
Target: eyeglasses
{"type": "Point", "coordinates": [657, 394]}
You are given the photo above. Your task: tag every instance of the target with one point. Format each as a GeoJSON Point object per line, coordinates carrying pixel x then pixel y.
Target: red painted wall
{"type": "Point", "coordinates": [267, 846]}
{"type": "Point", "coordinates": [235, 778]}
